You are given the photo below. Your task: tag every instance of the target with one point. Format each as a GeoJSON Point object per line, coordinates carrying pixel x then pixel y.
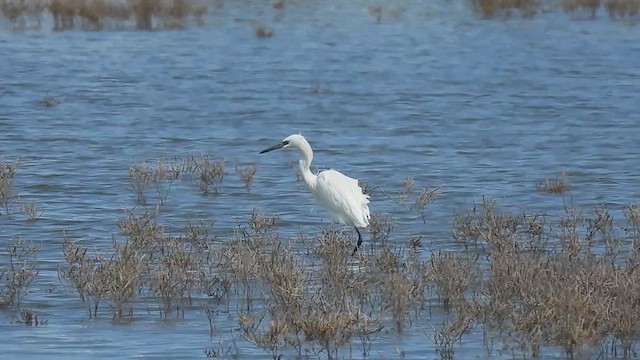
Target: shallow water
{"type": "Point", "coordinates": [483, 108]}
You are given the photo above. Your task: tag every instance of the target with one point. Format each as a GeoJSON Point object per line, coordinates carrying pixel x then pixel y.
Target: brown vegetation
{"type": "Point", "coordinates": [7, 180]}
{"type": "Point", "coordinates": [581, 9]}
{"type": "Point", "coordinates": [527, 281]}
{"type": "Point", "coordinates": [559, 185]}
{"type": "Point", "coordinates": [209, 174]}
{"type": "Point", "coordinates": [107, 14]}
{"type": "Point", "coordinates": [17, 271]}
{"type": "Point", "coordinates": [30, 318]}
{"type": "Point", "coordinates": [622, 9]}
{"type": "Point", "coordinates": [507, 8]}
{"type": "Point", "coordinates": [48, 101]}
{"type": "Point", "coordinates": [247, 175]}
{"type": "Point", "coordinates": [262, 30]}
{"type": "Point", "coordinates": [206, 173]}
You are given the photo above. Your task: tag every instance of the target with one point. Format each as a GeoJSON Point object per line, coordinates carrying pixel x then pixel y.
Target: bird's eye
{"type": "Point", "coordinates": [285, 143]}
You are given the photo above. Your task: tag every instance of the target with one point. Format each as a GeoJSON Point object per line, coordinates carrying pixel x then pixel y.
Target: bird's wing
{"type": "Point", "coordinates": [343, 198]}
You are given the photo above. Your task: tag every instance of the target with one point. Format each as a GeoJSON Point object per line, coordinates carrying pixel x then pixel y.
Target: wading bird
{"type": "Point", "coordinates": [339, 194]}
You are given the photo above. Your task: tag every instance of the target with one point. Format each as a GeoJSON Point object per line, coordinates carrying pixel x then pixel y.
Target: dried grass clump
{"type": "Point", "coordinates": [85, 273]}
{"type": "Point", "coordinates": [558, 186]}
{"type": "Point", "coordinates": [22, 12]}
{"type": "Point", "coordinates": [107, 14]}
{"type": "Point", "coordinates": [140, 176]}
{"type": "Point", "coordinates": [243, 259]}
{"type": "Point", "coordinates": [426, 196]}
{"type": "Point", "coordinates": [380, 226]}
{"type": "Point", "coordinates": [147, 261]}
{"type": "Point", "coordinates": [329, 322]}
{"type": "Point", "coordinates": [117, 278]}
{"type": "Point", "coordinates": [30, 318]}
{"type": "Point", "coordinates": [142, 230]}
{"type": "Point", "coordinates": [453, 276]}
{"type": "Point", "coordinates": [622, 9]}
{"type": "Point", "coordinates": [283, 279]}
{"type": "Point", "coordinates": [247, 175]}
{"type": "Point", "coordinates": [581, 8]}
{"type": "Point", "coordinates": [30, 210]}
{"type": "Point", "coordinates": [572, 295]}
{"type": "Point", "coordinates": [401, 284]}
{"type": "Point", "coordinates": [7, 180]}
{"type": "Point", "coordinates": [450, 333]}
{"type": "Point", "coordinates": [632, 228]}
{"type": "Point", "coordinates": [17, 272]}
{"type": "Point", "coordinates": [175, 275]}
{"type": "Point", "coordinates": [507, 8]}
{"type": "Point", "coordinates": [162, 176]}
{"type": "Point", "coordinates": [261, 224]}
{"type": "Point", "coordinates": [262, 30]}
{"type": "Point", "coordinates": [311, 311]}
{"type": "Point", "coordinates": [122, 275]}
{"type": "Point", "coordinates": [48, 101]}
{"type": "Point", "coordinates": [209, 174]}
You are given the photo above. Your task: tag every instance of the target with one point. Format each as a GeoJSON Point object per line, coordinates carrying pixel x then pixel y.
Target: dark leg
{"type": "Point", "coordinates": [359, 242]}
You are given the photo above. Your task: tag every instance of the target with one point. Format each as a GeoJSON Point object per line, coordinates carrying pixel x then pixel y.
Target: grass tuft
{"type": "Point", "coordinates": [17, 272]}
{"type": "Point", "coordinates": [558, 186]}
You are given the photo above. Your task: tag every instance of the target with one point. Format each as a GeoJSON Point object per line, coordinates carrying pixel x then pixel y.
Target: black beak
{"type": "Point", "coordinates": [275, 147]}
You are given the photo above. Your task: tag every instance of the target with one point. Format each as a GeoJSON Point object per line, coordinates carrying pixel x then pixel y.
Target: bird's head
{"type": "Point", "coordinates": [292, 141]}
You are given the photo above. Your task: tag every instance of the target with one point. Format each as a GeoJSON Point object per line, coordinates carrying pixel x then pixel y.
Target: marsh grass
{"type": "Point", "coordinates": [577, 9]}
{"type": "Point", "coordinates": [7, 179]}
{"type": "Point", "coordinates": [426, 197]}
{"type": "Point", "coordinates": [507, 8]}
{"type": "Point", "coordinates": [149, 15]}
{"type": "Point", "coordinates": [165, 173]}
{"type": "Point", "coordinates": [19, 268]}
{"type": "Point", "coordinates": [376, 12]}
{"type": "Point", "coordinates": [559, 185]}
{"type": "Point", "coordinates": [84, 273]}
{"type": "Point", "coordinates": [568, 296]}
{"type": "Point", "coordinates": [280, 5]}
{"type": "Point", "coordinates": [528, 282]}
{"type": "Point", "coordinates": [175, 275]}
{"type": "Point", "coordinates": [30, 210]}
{"type": "Point", "coordinates": [48, 101]}
{"type": "Point", "coordinates": [381, 226]}
{"type": "Point", "coordinates": [30, 318]}
{"type": "Point", "coordinates": [262, 30]}
{"type": "Point", "coordinates": [453, 276]}
{"type": "Point", "coordinates": [405, 196]}
{"type": "Point", "coordinates": [622, 9]}
{"type": "Point", "coordinates": [95, 15]}
{"type": "Point", "coordinates": [581, 8]}
{"type": "Point", "coordinates": [449, 334]}
{"type": "Point", "coordinates": [247, 175]}
{"type": "Point", "coordinates": [140, 176]}
{"type": "Point", "coordinates": [208, 174]}
{"type": "Point", "coordinates": [160, 176]}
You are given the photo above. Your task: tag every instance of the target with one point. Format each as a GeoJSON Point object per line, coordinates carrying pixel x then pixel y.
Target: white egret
{"type": "Point", "coordinates": [339, 194]}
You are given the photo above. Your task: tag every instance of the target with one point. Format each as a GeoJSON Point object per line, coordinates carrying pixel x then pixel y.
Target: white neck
{"type": "Point", "coordinates": [306, 157]}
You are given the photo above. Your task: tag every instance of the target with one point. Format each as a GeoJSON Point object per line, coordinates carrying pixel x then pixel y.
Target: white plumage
{"type": "Point", "coordinates": [339, 194]}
